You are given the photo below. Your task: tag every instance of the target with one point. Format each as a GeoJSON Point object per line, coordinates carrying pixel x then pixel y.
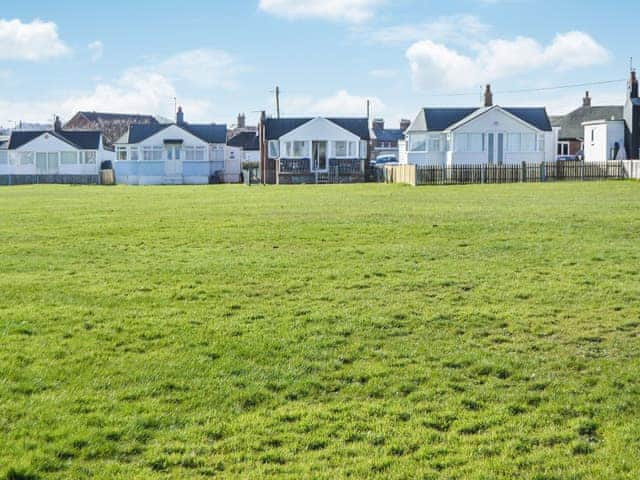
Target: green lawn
{"type": "Point", "coordinates": [368, 331]}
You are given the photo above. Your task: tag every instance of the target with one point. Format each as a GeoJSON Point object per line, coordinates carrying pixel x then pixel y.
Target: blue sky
{"type": "Point", "coordinates": [328, 56]}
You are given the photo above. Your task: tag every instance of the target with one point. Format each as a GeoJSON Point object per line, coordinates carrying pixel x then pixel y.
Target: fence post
{"type": "Point", "coordinates": [482, 173]}
{"type": "Point", "coordinates": [542, 172]}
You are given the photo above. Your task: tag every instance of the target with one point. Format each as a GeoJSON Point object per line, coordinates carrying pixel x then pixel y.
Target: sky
{"type": "Point", "coordinates": [220, 58]}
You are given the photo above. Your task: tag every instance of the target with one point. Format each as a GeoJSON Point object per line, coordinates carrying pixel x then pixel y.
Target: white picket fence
{"type": "Point", "coordinates": [631, 169]}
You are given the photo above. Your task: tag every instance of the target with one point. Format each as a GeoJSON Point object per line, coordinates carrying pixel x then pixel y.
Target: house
{"type": "Point", "coordinates": [112, 125]}
{"type": "Point", "coordinates": [632, 118]}
{"type": "Point", "coordinates": [385, 140]}
{"type": "Point", "coordinates": [571, 126]}
{"type": "Point", "coordinates": [604, 140]}
{"type": "Point", "coordinates": [314, 150]}
{"type": "Point", "coordinates": [242, 148]}
{"type": "Point", "coordinates": [488, 135]}
{"type": "Point", "coordinates": [171, 154]}
{"type": "Point", "coordinates": [55, 155]}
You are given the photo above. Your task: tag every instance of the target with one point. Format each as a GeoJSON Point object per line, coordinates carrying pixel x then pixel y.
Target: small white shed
{"type": "Point", "coordinates": [604, 140]}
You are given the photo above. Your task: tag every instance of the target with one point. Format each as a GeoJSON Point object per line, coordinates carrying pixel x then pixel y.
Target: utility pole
{"type": "Point", "coordinates": [278, 101]}
{"type": "Point", "coordinates": [368, 110]}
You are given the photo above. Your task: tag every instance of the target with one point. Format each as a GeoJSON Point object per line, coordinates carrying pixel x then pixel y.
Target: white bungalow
{"type": "Point", "coordinates": [171, 154]}
{"type": "Point", "coordinates": [54, 155]}
{"type": "Point", "coordinates": [487, 135]}
{"type": "Point", "coordinates": [309, 150]}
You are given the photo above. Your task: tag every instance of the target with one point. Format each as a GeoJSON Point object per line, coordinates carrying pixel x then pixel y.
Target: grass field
{"type": "Point", "coordinates": [369, 331]}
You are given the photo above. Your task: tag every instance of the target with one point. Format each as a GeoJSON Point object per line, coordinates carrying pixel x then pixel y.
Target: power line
{"type": "Point", "coordinates": [528, 90]}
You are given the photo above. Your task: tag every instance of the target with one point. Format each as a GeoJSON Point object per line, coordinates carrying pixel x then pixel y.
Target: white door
{"type": "Point", "coordinates": [495, 148]}
{"type": "Point", "coordinates": [173, 162]}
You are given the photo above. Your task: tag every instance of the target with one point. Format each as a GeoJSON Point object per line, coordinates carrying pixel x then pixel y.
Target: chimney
{"type": "Point", "coordinates": [180, 116]}
{"type": "Point", "coordinates": [405, 124]}
{"type": "Point", "coordinates": [242, 123]}
{"type": "Point", "coordinates": [57, 124]}
{"type": "Point", "coordinates": [633, 85]}
{"type": "Point", "coordinates": [488, 97]}
{"type": "Point", "coordinates": [378, 124]}
{"type": "Point", "coordinates": [586, 101]}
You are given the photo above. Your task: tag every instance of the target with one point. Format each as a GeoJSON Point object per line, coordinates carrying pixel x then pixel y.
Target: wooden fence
{"type": "Point", "coordinates": [524, 172]}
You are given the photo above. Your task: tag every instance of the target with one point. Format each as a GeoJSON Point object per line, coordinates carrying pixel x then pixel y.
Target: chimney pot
{"type": "Point", "coordinates": [488, 97]}
{"type": "Point", "coordinates": [586, 101]}
{"type": "Point", "coordinates": [633, 85]}
{"type": "Point", "coordinates": [378, 123]}
{"type": "Point", "coordinates": [404, 124]}
{"type": "Point", "coordinates": [57, 124]}
{"type": "Point", "coordinates": [180, 116]}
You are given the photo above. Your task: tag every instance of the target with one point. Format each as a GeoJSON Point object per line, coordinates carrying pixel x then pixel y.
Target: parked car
{"type": "Point", "coordinates": [383, 160]}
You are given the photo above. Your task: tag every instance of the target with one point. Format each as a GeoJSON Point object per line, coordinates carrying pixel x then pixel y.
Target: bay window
{"type": "Point", "coordinates": [147, 154]}
{"type": "Point", "coordinates": [69, 158]}
{"type": "Point", "coordinates": [135, 154]}
{"type": "Point", "coordinates": [340, 149]}
{"type": "Point", "coordinates": [352, 149]}
{"type": "Point", "coordinates": [274, 149]}
{"type": "Point", "coordinates": [418, 142]}
{"type": "Point", "coordinates": [434, 143]}
{"type": "Point", "coordinates": [299, 149]}
{"type": "Point", "coordinates": [121, 153]}
{"type": "Point", "coordinates": [513, 142]}
{"type": "Point", "coordinates": [26, 158]}
{"type": "Point", "coordinates": [528, 142]}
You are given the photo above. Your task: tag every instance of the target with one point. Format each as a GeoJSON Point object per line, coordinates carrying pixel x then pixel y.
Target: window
{"type": "Point", "coordinates": [528, 142]}
{"type": "Point", "coordinates": [593, 134]}
{"type": "Point", "coordinates": [352, 149]}
{"type": "Point", "coordinates": [418, 142]}
{"type": "Point", "coordinates": [200, 153]}
{"type": "Point", "coordinates": [26, 158]}
{"type": "Point", "coordinates": [135, 154]}
{"type": "Point", "coordinates": [189, 153]}
{"type": "Point", "coordinates": [563, 148]}
{"type": "Point", "coordinates": [434, 143]}
{"type": "Point", "coordinates": [513, 142]}
{"type": "Point", "coordinates": [69, 158]}
{"type": "Point", "coordinates": [340, 149]}
{"type": "Point", "coordinates": [460, 142]}
{"type": "Point", "coordinates": [274, 150]}
{"type": "Point", "coordinates": [4, 157]}
{"type": "Point", "coordinates": [147, 154]}
{"type": "Point", "coordinates": [157, 153]}
{"type": "Point", "coordinates": [541, 143]}
{"type": "Point", "coordinates": [122, 153]}
{"type": "Point", "coordinates": [90, 158]}
{"type": "Point", "coordinates": [41, 162]}
{"type": "Point", "coordinates": [299, 149]}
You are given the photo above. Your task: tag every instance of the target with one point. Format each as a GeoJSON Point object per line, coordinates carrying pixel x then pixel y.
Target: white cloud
{"type": "Point", "coordinates": [354, 11]}
{"type": "Point", "coordinates": [33, 41]}
{"type": "Point", "coordinates": [144, 89]}
{"type": "Point", "coordinates": [434, 64]}
{"type": "Point", "coordinates": [97, 49]}
{"type": "Point", "coordinates": [342, 103]}
{"type": "Point", "coordinates": [202, 68]}
{"type": "Point", "coordinates": [449, 29]}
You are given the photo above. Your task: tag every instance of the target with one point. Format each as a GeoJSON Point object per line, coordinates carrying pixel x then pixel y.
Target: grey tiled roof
{"type": "Point", "coordinates": [82, 140]}
{"type": "Point", "coordinates": [211, 133]}
{"type": "Point", "coordinates": [571, 124]}
{"type": "Point", "coordinates": [440, 119]}
{"type": "Point", "coordinates": [277, 127]}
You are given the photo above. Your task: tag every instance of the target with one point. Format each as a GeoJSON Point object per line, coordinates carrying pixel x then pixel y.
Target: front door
{"type": "Point", "coordinates": [319, 160]}
{"type": "Point", "coordinates": [173, 163]}
{"type": "Point", "coordinates": [495, 148]}
{"type": "Point", "coordinates": [52, 163]}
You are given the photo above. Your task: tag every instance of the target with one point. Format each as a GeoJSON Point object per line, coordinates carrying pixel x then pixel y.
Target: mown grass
{"type": "Point", "coordinates": [371, 331]}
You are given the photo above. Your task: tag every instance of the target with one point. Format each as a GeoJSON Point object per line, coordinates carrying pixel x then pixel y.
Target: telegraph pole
{"type": "Point", "coordinates": [278, 101]}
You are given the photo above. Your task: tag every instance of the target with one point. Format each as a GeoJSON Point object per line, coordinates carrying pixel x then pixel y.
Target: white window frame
{"type": "Point", "coordinates": [4, 157]}
{"type": "Point", "coordinates": [562, 146]}
{"type": "Point", "coordinates": [273, 148]}
{"type": "Point", "coordinates": [419, 139]}
{"type": "Point", "coordinates": [343, 144]}
{"type": "Point", "coordinates": [64, 161]}
{"type": "Point", "coordinates": [122, 154]}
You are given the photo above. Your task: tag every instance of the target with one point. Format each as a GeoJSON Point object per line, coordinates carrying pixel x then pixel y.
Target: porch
{"type": "Point", "coordinates": [338, 170]}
